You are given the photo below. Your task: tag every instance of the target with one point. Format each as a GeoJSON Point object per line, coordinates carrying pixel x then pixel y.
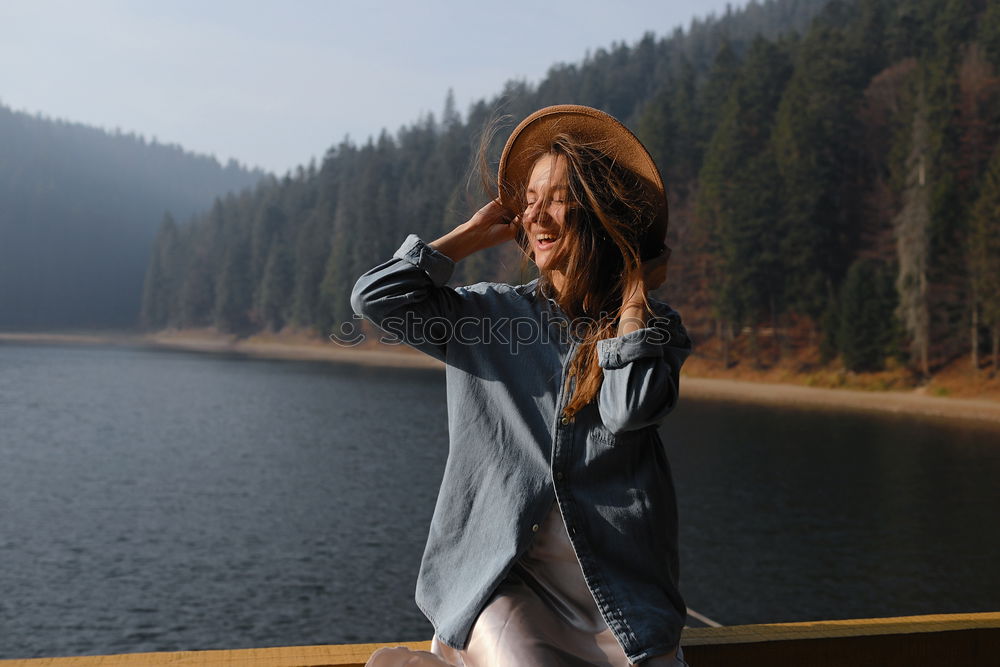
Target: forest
{"type": "Point", "coordinates": [79, 211]}
{"type": "Point", "coordinates": [833, 172]}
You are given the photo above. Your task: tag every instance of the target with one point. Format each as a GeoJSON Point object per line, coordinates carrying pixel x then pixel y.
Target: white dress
{"type": "Point", "coordinates": [541, 614]}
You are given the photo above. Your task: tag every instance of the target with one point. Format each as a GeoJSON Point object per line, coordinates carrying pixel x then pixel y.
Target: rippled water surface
{"type": "Point", "coordinates": [154, 500]}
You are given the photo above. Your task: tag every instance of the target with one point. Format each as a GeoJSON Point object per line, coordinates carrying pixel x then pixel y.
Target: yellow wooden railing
{"type": "Point", "coordinates": [971, 640]}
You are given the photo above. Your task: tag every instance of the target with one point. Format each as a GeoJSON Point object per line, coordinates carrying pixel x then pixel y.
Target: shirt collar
{"type": "Point", "coordinates": [535, 289]}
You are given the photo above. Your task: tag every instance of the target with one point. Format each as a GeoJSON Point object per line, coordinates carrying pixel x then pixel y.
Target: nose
{"type": "Point", "coordinates": [533, 211]}
{"type": "Point", "coordinates": [539, 211]}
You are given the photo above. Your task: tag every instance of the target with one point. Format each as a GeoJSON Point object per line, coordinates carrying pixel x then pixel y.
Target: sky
{"type": "Point", "coordinates": [273, 84]}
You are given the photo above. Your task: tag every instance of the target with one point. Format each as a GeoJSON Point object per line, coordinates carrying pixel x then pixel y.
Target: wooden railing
{"type": "Point", "coordinates": [971, 640]}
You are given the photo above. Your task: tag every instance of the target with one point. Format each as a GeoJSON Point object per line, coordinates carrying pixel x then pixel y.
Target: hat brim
{"type": "Point", "coordinates": [534, 135]}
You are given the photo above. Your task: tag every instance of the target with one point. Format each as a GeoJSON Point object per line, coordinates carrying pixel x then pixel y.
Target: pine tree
{"type": "Point", "coordinates": [233, 290]}
{"type": "Point", "coordinates": [989, 32]}
{"type": "Point", "coordinates": [159, 291]}
{"type": "Point", "coordinates": [197, 292]}
{"type": "Point", "coordinates": [739, 197]}
{"type": "Point", "coordinates": [273, 303]}
{"type": "Point", "coordinates": [816, 143]}
{"type": "Point", "coordinates": [983, 252]}
{"type": "Point", "coordinates": [867, 326]}
{"type": "Point", "coordinates": [669, 127]}
{"type": "Point", "coordinates": [712, 96]}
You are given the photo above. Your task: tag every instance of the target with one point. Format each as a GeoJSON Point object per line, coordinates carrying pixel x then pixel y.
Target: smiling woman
{"type": "Point", "coordinates": [554, 537]}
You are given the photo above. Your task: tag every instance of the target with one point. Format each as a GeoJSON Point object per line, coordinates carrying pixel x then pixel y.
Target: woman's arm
{"type": "Point", "coordinates": [487, 228]}
{"type": "Point", "coordinates": [642, 372]}
{"type": "Point", "coordinates": [642, 363]}
{"type": "Point", "coordinates": [407, 297]}
{"type": "Point", "coordinates": [654, 273]}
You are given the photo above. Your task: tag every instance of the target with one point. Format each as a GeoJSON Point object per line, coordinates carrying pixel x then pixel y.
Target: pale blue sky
{"type": "Point", "coordinates": [274, 83]}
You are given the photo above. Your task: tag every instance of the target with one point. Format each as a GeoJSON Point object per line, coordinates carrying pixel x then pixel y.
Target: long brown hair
{"type": "Point", "coordinates": [598, 252]}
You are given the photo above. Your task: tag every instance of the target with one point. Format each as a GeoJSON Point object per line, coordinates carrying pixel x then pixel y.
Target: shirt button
{"type": "Point", "coordinates": [534, 528]}
{"type": "Point", "coordinates": [559, 475]}
{"type": "Point", "coordinates": [564, 420]}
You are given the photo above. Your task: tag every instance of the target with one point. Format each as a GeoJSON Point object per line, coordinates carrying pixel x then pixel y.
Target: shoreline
{"type": "Point", "coordinates": [310, 348]}
{"type": "Point", "coordinates": [978, 410]}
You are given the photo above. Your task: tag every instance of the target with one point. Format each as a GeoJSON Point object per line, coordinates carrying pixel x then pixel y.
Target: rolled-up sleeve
{"type": "Point", "coordinates": [407, 298]}
{"type": "Point", "coordinates": [642, 372]}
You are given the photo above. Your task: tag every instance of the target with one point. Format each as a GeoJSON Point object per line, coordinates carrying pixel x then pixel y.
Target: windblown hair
{"type": "Point", "coordinates": [598, 252]}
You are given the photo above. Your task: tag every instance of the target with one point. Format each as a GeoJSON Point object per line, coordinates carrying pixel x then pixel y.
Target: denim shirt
{"type": "Point", "coordinates": [511, 454]}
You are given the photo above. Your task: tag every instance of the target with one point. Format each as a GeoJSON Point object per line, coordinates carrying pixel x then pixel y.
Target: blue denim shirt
{"type": "Point", "coordinates": [507, 349]}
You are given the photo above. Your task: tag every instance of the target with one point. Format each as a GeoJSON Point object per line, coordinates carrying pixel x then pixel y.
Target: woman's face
{"type": "Point", "coordinates": [544, 216]}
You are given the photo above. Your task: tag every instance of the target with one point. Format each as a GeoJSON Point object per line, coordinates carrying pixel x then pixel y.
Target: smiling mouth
{"type": "Point", "coordinates": [545, 241]}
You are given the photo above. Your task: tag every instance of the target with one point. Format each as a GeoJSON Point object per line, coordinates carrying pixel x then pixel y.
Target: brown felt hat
{"type": "Point", "coordinates": [535, 134]}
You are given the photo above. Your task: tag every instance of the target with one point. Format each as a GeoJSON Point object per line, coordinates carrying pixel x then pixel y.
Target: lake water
{"type": "Point", "coordinates": [156, 500]}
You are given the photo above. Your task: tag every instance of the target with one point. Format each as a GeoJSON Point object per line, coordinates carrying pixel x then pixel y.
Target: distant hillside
{"type": "Point", "coordinates": [79, 209]}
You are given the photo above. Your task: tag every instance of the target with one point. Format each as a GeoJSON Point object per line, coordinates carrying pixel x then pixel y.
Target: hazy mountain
{"type": "Point", "coordinates": [79, 209]}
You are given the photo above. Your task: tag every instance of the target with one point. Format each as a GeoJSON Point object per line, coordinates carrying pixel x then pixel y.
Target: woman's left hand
{"type": "Point", "coordinates": [654, 271]}
{"type": "Point", "coordinates": [654, 274]}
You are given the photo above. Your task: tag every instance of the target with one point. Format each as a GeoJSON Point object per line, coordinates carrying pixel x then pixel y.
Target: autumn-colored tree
{"type": "Point", "coordinates": [912, 225]}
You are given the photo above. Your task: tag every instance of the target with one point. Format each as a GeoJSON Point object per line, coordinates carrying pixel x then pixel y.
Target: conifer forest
{"type": "Point", "coordinates": [833, 171]}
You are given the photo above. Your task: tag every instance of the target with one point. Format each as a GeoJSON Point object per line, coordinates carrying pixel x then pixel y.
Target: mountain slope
{"type": "Point", "coordinates": [79, 209]}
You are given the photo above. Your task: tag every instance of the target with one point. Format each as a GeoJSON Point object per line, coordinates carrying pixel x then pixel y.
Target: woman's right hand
{"type": "Point", "coordinates": [492, 224]}
{"type": "Point", "coordinates": [489, 226]}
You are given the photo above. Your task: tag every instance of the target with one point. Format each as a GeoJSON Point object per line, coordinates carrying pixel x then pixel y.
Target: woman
{"type": "Point", "coordinates": [554, 537]}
